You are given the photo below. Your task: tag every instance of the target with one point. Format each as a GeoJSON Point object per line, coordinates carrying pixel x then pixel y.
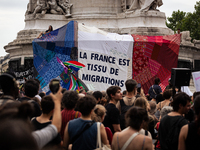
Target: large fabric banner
{"type": "Point", "coordinates": [104, 59]}
{"type": "Point", "coordinates": [107, 57]}
{"type": "Point", "coordinates": [154, 56]}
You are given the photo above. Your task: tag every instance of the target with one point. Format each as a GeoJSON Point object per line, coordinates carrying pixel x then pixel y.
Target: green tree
{"type": "Point", "coordinates": [186, 21]}
{"type": "Point", "coordinates": [176, 20]}
{"type": "Point", "coordinates": [191, 23]}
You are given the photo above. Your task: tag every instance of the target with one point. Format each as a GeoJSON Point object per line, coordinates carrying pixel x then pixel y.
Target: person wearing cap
{"type": "Point", "coordinates": [10, 88]}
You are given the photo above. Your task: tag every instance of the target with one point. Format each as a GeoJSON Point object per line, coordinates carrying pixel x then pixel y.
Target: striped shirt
{"type": "Point", "coordinates": [68, 115]}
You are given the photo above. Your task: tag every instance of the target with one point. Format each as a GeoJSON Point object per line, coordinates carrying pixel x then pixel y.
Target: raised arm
{"type": "Point", "coordinates": [57, 118]}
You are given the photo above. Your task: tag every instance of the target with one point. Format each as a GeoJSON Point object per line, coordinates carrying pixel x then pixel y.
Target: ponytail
{"type": "Point", "coordinates": [99, 112]}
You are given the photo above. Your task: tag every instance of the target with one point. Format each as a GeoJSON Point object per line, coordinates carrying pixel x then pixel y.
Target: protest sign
{"type": "Point", "coordinates": [196, 79]}
{"type": "Point", "coordinates": [107, 57]}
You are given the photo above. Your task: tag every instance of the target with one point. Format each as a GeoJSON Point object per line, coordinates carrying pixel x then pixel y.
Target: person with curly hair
{"type": "Point", "coordinates": [69, 101]}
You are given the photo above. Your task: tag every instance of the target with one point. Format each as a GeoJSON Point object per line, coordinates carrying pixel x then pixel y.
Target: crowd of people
{"type": "Point", "coordinates": [65, 120]}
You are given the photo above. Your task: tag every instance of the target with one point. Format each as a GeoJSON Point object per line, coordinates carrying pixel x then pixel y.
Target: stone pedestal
{"type": "Point", "coordinates": [43, 23]}
{"type": "Point", "coordinates": [142, 23]}
{"type": "Point", "coordinates": [107, 16]}
{"type": "Point", "coordinates": [103, 14]}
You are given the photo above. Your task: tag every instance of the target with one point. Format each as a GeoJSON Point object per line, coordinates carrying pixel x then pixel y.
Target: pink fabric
{"type": "Point", "coordinates": [154, 56]}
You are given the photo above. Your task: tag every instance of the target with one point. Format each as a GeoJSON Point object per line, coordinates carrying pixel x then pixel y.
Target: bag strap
{"type": "Point", "coordinates": [129, 141]}
{"type": "Point", "coordinates": [86, 127]}
{"type": "Point", "coordinates": [76, 115]}
{"type": "Point", "coordinates": [154, 90]}
{"type": "Point", "coordinates": [98, 135]}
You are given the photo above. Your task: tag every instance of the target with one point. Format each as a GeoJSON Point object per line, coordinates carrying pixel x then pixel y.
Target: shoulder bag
{"type": "Point", "coordinates": [100, 145]}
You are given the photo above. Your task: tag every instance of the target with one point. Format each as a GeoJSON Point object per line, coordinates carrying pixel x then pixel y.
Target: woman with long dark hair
{"type": "Point", "coordinates": [130, 139]}
{"type": "Point", "coordinates": [189, 136]}
{"type": "Point", "coordinates": [47, 31]}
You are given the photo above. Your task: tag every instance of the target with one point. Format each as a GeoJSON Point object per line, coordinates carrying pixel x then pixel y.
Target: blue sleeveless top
{"type": "Point", "coordinates": [87, 140]}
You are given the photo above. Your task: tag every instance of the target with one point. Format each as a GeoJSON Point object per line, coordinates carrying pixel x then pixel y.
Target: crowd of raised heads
{"type": "Point", "coordinates": [88, 120]}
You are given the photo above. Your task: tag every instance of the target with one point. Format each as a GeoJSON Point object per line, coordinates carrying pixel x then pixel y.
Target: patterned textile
{"type": "Point", "coordinates": [154, 56]}
{"type": "Point", "coordinates": [61, 43]}
{"type": "Point", "coordinates": [75, 65]}
{"type": "Point", "coordinates": [70, 69]}
{"type": "Point", "coordinates": [146, 57]}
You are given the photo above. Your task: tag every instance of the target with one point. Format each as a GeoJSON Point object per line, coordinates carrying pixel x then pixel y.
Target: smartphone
{"type": "Point", "coordinates": [54, 86]}
{"type": "Point", "coordinates": [138, 85]}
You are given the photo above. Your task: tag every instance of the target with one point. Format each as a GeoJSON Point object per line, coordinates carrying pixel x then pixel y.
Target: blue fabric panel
{"type": "Point", "coordinates": [55, 68]}
{"type": "Point", "coordinates": [63, 50]}
{"type": "Point", "coordinates": [69, 36]}
{"type": "Point", "coordinates": [41, 65]}
{"type": "Point", "coordinates": [61, 36]}
{"type": "Point", "coordinates": [57, 43]}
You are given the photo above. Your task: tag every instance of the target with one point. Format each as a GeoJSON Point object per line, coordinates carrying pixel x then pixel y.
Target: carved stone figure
{"type": "Point", "coordinates": [55, 9]}
{"type": "Point", "coordinates": [42, 6]}
{"type": "Point", "coordinates": [196, 43]}
{"type": "Point", "coordinates": [186, 39]}
{"type": "Point", "coordinates": [66, 6]}
{"type": "Point", "coordinates": [145, 5]}
{"type": "Point", "coordinates": [31, 6]}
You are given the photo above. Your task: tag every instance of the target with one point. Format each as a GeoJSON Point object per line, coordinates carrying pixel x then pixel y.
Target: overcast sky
{"type": "Point", "coordinates": [12, 16]}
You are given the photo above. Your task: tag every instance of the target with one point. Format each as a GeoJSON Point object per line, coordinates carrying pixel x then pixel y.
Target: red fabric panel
{"type": "Point", "coordinates": [154, 56]}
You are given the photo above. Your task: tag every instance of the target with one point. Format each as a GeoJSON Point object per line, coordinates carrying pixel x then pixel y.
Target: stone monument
{"type": "Point", "coordinates": [120, 16]}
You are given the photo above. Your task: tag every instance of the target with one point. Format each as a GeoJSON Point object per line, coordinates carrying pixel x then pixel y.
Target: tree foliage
{"type": "Point", "coordinates": [186, 21]}
{"type": "Point", "coordinates": [176, 20]}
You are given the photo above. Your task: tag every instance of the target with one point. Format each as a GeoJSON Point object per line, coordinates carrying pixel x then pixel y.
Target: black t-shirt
{"type": "Point", "coordinates": [38, 126]}
{"type": "Point", "coordinates": [192, 140]}
{"type": "Point", "coordinates": [190, 116]}
{"type": "Point", "coordinates": [124, 109]}
{"type": "Point", "coordinates": [37, 110]}
{"type": "Point", "coordinates": [169, 130]}
{"type": "Point", "coordinates": [112, 116]}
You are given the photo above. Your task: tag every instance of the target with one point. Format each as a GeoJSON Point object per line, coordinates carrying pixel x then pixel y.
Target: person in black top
{"type": "Point", "coordinates": [31, 89]}
{"type": "Point", "coordinates": [47, 31]}
{"type": "Point", "coordinates": [171, 124]}
{"type": "Point", "coordinates": [190, 134]}
{"type": "Point", "coordinates": [155, 89]}
{"type": "Point", "coordinates": [128, 101]}
{"type": "Point", "coordinates": [112, 118]}
{"type": "Point", "coordinates": [9, 87]}
{"type": "Point", "coordinates": [42, 121]}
